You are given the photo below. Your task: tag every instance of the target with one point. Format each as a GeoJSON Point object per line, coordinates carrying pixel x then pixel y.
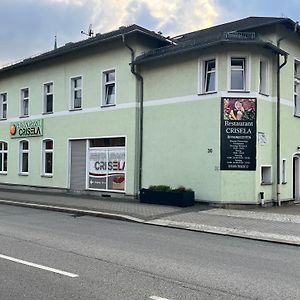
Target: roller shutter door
{"type": "Point", "coordinates": [78, 165]}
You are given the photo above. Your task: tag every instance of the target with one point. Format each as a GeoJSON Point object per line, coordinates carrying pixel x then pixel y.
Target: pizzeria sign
{"type": "Point", "coordinates": [28, 128]}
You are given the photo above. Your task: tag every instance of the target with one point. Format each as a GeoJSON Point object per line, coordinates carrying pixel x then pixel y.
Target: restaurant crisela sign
{"type": "Point", "coordinates": [28, 128]}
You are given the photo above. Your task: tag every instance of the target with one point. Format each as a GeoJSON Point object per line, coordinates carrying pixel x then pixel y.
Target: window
{"type": "Point", "coordinates": [297, 88]}
{"type": "Point", "coordinates": [76, 93]}
{"type": "Point", "coordinates": [237, 73]}
{"type": "Point", "coordinates": [3, 106]}
{"type": "Point", "coordinates": [24, 102]}
{"type": "Point", "coordinates": [263, 77]}
{"type": "Point", "coordinates": [266, 175]}
{"type": "Point", "coordinates": [209, 76]}
{"type": "Point", "coordinates": [47, 157]}
{"type": "Point", "coordinates": [284, 177]}
{"type": "Point", "coordinates": [106, 164]}
{"type": "Point", "coordinates": [3, 157]}
{"type": "Point", "coordinates": [24, 153]}
{"type": "Point", "coordinates": [48, 98]}
{"type": "Point", "coordinates": [109, 81]}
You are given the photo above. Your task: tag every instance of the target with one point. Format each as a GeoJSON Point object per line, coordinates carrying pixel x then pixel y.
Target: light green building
{"type": "Point", "coordinates": [131, 108]}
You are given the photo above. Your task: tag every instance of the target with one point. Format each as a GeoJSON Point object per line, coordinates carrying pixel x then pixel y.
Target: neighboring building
{"type": "Point", "coordinates": [130, 108]}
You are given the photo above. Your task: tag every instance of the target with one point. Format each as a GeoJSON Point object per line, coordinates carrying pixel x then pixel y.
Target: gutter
{"type": "Point", "coordinates": [140, 133]}
{"type": "Point", "coordinates": [278, 121]}
{"type": "Point", "coordinates": [278, 124]}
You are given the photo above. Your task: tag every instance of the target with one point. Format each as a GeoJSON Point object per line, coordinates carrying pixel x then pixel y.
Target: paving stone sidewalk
{"type": "Point", "coordinates": [276, 224]}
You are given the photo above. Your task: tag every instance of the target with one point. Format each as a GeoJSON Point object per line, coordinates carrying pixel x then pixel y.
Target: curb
{"type": "Point", "coordinates": [73, 210]}
{"type": "Point", "coordinates": [252, 235]}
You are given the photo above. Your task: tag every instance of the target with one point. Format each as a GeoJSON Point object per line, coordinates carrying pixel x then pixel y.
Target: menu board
{"type": "Point", "coordinates": [238, 134]}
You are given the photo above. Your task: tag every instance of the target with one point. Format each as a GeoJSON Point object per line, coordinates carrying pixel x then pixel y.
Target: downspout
{"type": "Point", "coordinates": [141, 113]}
{"type": "Point", "coordinates": [278, 123]}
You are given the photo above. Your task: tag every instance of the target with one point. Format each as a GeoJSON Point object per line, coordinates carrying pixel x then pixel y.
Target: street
{"type": "Point", "coordinates": [50, 255]}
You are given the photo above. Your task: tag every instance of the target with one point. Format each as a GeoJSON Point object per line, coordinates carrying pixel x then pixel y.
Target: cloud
{"type": "Point", "coordinates": [170, 17]}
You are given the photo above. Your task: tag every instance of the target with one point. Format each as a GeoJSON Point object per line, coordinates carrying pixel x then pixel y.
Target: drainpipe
{"type": "Point", "coordinates": [141, 113]}
{"type": "Point", "coordinates": [278, 138]}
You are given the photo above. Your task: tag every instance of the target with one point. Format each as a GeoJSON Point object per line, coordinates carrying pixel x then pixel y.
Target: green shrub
{"type": "Point", "coordinates": [167, 188]}
{"type": "Point", "coordinates": [160, 188]}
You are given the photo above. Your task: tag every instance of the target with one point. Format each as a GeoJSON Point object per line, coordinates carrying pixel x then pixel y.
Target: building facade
{"type": "Point", "coordinates": [216, 110]}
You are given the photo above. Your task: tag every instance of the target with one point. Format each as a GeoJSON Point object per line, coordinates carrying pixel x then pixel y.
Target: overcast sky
{"type": "Point", "coordinates": [28, 27]}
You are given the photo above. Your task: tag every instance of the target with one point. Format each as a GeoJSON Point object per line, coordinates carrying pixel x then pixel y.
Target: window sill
{"type": "Point", "coordinates": [22, 117]}
{"type": "Point", "coordinates": [296, 116]}
{"type": "Point", "coordinates": [239, 91]}
{"type": "Point", "coordinates": [75, 109]}
{"type": "Point", "coordinates": [284, 182]}
{"type": "Point", "coordinates": [263, 94]}
{"type": "Point", "coordinates": [3, 119]}
{"type": "Point", "coordinates": [23, 174]}
{"type": "Point", "coordinates": [266, 183]}
{"type": "Point", "coordinates": [47, 175]}
{"type": "Point", "coordinates": [48, 113]}
{"type": "Point", "coordinates": [3, 173]}
{"type": "Point", "coordinates": [107, 105]}
{"type": "Point", "coordinates": [207, 93]}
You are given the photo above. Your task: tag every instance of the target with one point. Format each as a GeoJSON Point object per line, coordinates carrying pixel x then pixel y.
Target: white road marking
{"type": "Point", "coordinates": [27, 263]}
{"type": "Point", "coordinates": [157, 298]}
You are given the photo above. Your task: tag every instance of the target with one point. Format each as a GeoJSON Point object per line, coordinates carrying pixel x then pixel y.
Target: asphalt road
{"type": "Point", "coordinates": [108, 259]}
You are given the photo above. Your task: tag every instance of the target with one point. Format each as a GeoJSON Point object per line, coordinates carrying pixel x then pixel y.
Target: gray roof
{"type": "Point", "coordinates": [90, 42]}
{"type": "Point", "coordinates": [237, 32]}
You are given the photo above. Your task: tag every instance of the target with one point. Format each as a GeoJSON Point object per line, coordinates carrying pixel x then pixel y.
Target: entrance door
{"type": "Point", "coordinates": [296, 177]}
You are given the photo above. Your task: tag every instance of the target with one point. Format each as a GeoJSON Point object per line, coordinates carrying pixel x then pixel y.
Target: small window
{"type": "Point", "coordinates": [263, 77]}
{"type": "Point", "coordinates": [108, 142]}
{"type": "Point", "coordinates": [24, 102]}
{"type": "Point", "coordinates": [3, 157]}
{"type": "Point", "coordinates": [47, 158]}
{"type": "Point", "coordinates": [24, 157]}
{"type": "Point", "coordinates": [210, 76]}
{"type": "Point", "coordinates": [3, 106]}
{"type": "Point", "coordinates": [76, 93]}
{"type": "Point", "coordinates": [266, 175]}
{"type": "Point", "coordinates": [48, 98]}
{"type": "Point", "coordinates": [237, 74]}
{"type": "Point", "coordinates": [284, 177]}
{"type": "Point", "coordinates": [297, 89]}
{"type": "Point", "coordinates": [109, 80]}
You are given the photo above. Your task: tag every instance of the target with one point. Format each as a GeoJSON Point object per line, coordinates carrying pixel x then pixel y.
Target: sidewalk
{"type": "Point", "coordinates": [275, 224]}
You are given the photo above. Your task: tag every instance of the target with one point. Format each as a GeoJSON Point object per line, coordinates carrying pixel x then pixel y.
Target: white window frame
{"type": "Point", "coordinates": [202, 75]}
{"type": "Point", "coordinates": [73, 90]}
{"type": "Point", "coordinates": [3, 153]}
{"type": "Point", "coordinates": [284, 171]}
{"type": "Point", "coordinates": [296, 86]}
{"type": "Point", "coordinates": [263, 78]}
{"type": "Point", "coordinates": [46, 94]}
{"type": "Point", "coordinates": [266, 172]}
{"type": "Point", "coordinates": [2, 105]}
{"type": "Point", "coordinates": [21, 157]}
{"type": "Point", "coordinates": [23, 101]}
{"type": "Point", "coordinates": [104, 87]}
{"type": "Point", "coordinates": [44, 152]}
{"type": "Point", "coordinates": [246, 71]}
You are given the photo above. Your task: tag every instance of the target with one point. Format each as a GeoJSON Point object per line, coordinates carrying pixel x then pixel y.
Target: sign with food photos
{"type": "Point", "coordinates": [238, 134]}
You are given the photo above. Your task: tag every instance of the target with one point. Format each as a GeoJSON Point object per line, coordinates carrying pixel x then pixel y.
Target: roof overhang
{"type": "Point", "coordinates": [179, 49]}
{"type": "Point", "coordinates": [70, 48]}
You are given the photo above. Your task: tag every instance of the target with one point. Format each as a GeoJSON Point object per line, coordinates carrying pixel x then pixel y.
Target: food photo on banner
{"type": "Point", "coordinates": [238, 134]}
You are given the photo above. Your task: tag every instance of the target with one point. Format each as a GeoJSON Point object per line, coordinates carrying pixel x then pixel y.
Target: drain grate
{"type": "Point", "coordinates": [78, 215]}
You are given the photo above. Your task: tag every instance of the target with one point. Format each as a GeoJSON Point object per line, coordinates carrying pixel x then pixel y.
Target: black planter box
{"type": "Point", "coordinates": [181, 199]}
